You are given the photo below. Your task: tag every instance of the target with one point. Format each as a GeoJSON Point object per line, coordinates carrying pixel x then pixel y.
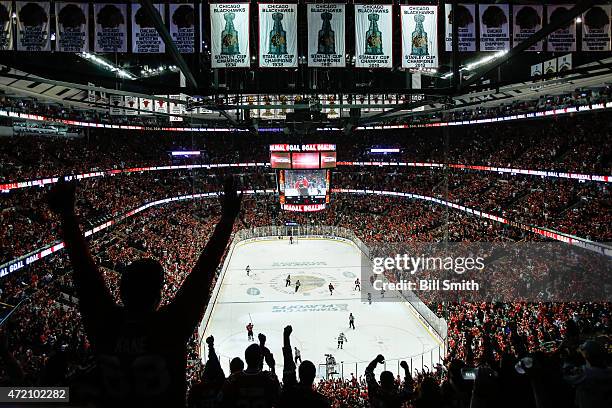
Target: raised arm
{"type": "Point", "coordinates": [212, 370]}
{"type": "Point", "coordinates": [289, 377]}
{"type": "Point", "coordinates": [369, 373]}
{"type": "Point", "coordinates": [191, 299]}
{"type": "Point", "coordinates": [407, 390]}
{"type": "Point", "coordinates": [94, 297]}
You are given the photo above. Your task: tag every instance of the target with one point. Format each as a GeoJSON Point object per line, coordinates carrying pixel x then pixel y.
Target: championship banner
{"type": "Point", "coordinates": [277, 35]}
{"type": "Point", "coordinates": [229, 32]}
{"type": "Point", "coordinates": [145, 38]}
{"type": "Point", "coordinates": [494, 27]}
{"type": "Point", "coordinates": [419, 36]}
{"type": "Point", "coordinates": [536, 70]}
{"type": "Point", "coordinates": [183, 26]}
{"type": "Point", "coordinates": [33, 26]}
{"type": "Point", "coordinates": [72, 24]}
{"type": "Point", "coordinates": [111, 27]}
{"type": "Point", "coordinates": [176, 108]}
{"type": "Point", "coordinates": [564, 63]}
{"type": "Point", "coordinates": [550, 66]}
{"type": "Point", "coordinates": [131, 105]}
{"type": "Point", "coordinates": [6, 25]}
{"type": "Point", "coordinates": [374, 35]}
{"type": "Point", "coordinates": [467, 27]}
{"type": "Point", "coordinates": [326, 35]}
{"type": "Point", "coordinates": [145, 106]}
{"type": "Point", "coordinates": [596, 28]}
{"type": "Point", "coordinates": [116, 105]}
{"type": "Point", "coordinates": [564, 39]}
{"type": "Point", "coordinates": [161, 106]}
{"type": "Point", "coordinates": [527, 21]}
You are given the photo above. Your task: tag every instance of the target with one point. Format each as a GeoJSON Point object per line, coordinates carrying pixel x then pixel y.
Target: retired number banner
{"type": "Point", "coordinates": [419, 36]}
{"type": "Point", "coordinates": [374, 35]}
{"type": "Point", "coordinates": [72, 24]}
{"type": "Point", "coordinates": [596, 28]}
{"type": "Point", "coordinates": [145, 38]}
{"type": "Point", "coordinates": [326, 35]}
{"type": "Point", "coordinates": [111, 27]}
{"type": "Point", "coordinates": [229, 35]}
{"type": "Point", "coordinates": [564, 39]}
{"type": "Point", "coordinates": [183, 27]}
{"type": "Point", "coordinates": [466, 23]}
{"type": "Point", "coordinates": [494, 27]}
{"type": "Point", "coordinates": [277, 35]}
{"type": "Point", "coordinates": [33, 26]}
{"type": "Point", "coordinates": [528, 20]}
{"type": "Point", "coordinates": [6, 25]}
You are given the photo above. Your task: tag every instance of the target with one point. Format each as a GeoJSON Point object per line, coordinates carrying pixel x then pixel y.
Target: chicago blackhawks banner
{"type": "Point", "coordinates": [33, 26]}
{"type": "Point", "coordinates": [229, 35]}
{"type": "Point", "coordinates": [419, 36]}
{"type": "Point", "coordinates": [72, 24]}
{"type": "Point", "coordinates": [111, 27]}
{"type": "Point", "coordinates": [183, 26]}
{"type": "Point", "coordinates": [527, 21]}
{"type": "Point", "coordinates": [326, 46]}
{"type": "Point", "coordinates": [145, 38]}
{"type": "Point", "coordinates": [466, 29]}
{"type": "Point", "coordinates": [277, 35]}
{"type": "Point", "coordinates": [373, 36]}
{"type": "Point", "coordinates": [563, 39]}
{"type": "Point", "coordinates": [494, 27]}
{"type": "Point", "coordinates": [596, 29]}
{"type": "Point", "coordinates": [6, 25]}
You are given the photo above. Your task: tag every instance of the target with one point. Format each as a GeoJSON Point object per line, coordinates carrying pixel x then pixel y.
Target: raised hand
{"type": "Point", "coordinates": [210, 340]}
{"type": "Point", "coordinates": [404, 365]}
{"type": "Point", "coordinates": [231, 200]}
{"type": "Point", "coordinates": [380, 359]}
{"type": "Point", "coordinates": [61, 197]}
{"type": "Point", "coordinates": [288, 330]}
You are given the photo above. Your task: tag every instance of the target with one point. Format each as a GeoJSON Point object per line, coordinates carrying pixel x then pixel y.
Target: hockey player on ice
{"type": "Point", "coordinates": [297, 285]}
{"type": "Point", "coordinates": [288, 281]}
{"type": "Point", "coordinates": [290, 240]}
{"type": "Point", "coordinates": [249, 328]}
{"type": "Point", "coordinates": [357, 284]}
{"type": "Point", "coordinates": [341, 339]}
{"type": "Point", "coordinates": [331, 289]}
{"type": "Point", "coordinates": [298, 355]}
{"type": "Point", "coordinates": [351, 321]}
{"type": "Point", "coordinates": [248, 269]}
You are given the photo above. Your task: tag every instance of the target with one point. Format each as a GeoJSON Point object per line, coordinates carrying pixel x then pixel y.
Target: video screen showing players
{"type": "Point", "coordinates": [305, 183]}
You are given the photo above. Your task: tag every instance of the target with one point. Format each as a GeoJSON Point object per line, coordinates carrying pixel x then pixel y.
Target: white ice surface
{"type": "Point", "coordinates": [317, 318]}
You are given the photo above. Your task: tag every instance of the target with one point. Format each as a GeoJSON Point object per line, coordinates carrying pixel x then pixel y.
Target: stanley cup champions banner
{"type": "Point", "coordinates": [110, 34]}
{"type": "Point", "coordinates": [326, 46]}
{"type": "Point", "coordinates": [145, 38]}
{"type": "Point", "coordinates": [596, 29]}
{"type": "Point", "coordinates": [373, 36]}
{"type": "Point", "coordinates": [72, 24]}
{"type": "Point", "coordinates": [277, 35]}
{"type": "Point", "coordinates": [528, 20]}
{"type": "Point", "coordinates": [33, 26]}
{"type": "Point", "coordinates": [183, 26]}
{"type": "Point", "coordinates": [419, 36]}
{"type": "Point", "coordinates": [6, 25]}
{"type": "Point", "coordinates": [564, 39]}
{"type": "Point", "coordinates": [466, 22]}
{"type": "Point", "coordinates": [494, 27]}
{"type": "Point", "coordinates": [229, 35]}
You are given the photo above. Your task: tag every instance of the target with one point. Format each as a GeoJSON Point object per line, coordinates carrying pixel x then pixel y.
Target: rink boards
{"type": "Point", "coordinates": [317, 318]}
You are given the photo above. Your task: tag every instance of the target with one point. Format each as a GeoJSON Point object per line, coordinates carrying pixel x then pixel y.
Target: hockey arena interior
{"type": "Point", "coordinates": [306, 203]}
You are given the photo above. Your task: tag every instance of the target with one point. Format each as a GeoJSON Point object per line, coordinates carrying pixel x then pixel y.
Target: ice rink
{"type": "Point", "coordinates": [388, 328]}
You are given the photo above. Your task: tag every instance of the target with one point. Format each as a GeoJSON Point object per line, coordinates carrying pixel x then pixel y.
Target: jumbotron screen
{"type": "Point", "coordinates": [304, 190]}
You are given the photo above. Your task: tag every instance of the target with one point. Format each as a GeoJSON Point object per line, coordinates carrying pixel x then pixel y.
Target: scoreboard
{"type": "Point", "coordinates": [303, 175]}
